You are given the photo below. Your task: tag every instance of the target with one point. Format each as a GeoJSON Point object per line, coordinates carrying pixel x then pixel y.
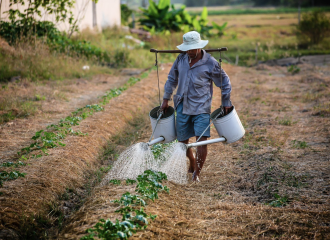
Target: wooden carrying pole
{"type": "Point", "coordinates": [179, 51]}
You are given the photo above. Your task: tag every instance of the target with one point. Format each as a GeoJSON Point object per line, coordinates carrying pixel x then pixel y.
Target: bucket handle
{"type": "Point", "coordinates": [212, 119]}
{"type": "Point", "coordinates": [159, 117]}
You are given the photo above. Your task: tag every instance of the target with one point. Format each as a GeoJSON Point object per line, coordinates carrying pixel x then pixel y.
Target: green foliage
{"type": "Point", "coordinates": [16, 30]}
{"type": "Point", "coordinates": [115, 181]}
{"type": "Point", "coordinates": [130, 181]}
{"type": "Point", "coordinates": [55, 133]}
{"type": "Point", "coordinates": [220, 28]}
{"type": "Point", "coordinates": [59, 42]}
{"type": "Point", "coordinates": [286, 121]}
{"type": "Point", "coordinates": [11, 164]}
{"type": "Point", "coordinates": [133, 216]}
{"type": "Point", "coordinates": [159, 18]}
{"type": "Point", "coordinates": [242, 11]}
{"type": "Point", "coordinates": [279, 201]}
{"type": "Point", "coordinates": [125, 12]}
{"type": "Point", "coordinates": [293, 69]}
{"type": "Point", "coordinates": [130, 200]}
{"type": "Point", "coordinates": [60, 8]}
{"type": "Point", "coordinates": [6, 176]}
{"type": "Point", "coordinates": [313, 27]}
{"type": "Point", "coordinates": [12, 175]}
{"type": "Point", "coordinates": [117, 91]}
{"type": "Point", "coordinates": [158, 149]}
{"type": "Point", "coordinates": [299, 144]}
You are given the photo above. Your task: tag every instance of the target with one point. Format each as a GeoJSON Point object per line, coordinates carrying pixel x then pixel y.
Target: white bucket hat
{"type": "Point", "coordinates": [192, 40]}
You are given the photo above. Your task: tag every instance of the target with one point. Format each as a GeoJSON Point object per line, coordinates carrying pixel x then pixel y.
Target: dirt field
{"type": "Point", "coordinates": [272, 184]}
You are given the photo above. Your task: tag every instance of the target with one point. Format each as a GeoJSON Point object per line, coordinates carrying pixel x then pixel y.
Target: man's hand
{"type": "Point", "coordinates": [227, 110]}
{"type": "Point", "coordinates": [164, 105]}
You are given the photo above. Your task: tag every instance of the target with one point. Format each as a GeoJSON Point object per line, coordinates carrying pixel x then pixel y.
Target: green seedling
{"type": "Point", "coordinates": [299, 144]}
{"type": "Point", "coordinates": [293, 69]}
{"type": "Point", "coordinates": [6, 176]}
{"type": "Point", "coordinates": [149, 184]}
{"type": "Point", "coordinates": [55, 133]}
{"type": "Point", "coordinates": [130, 200]}
{"type": "Point", "coordinates": [115, 181]}
{"type": "Point", "coordinates": [11, 164]}
{"type": "Point", "coordinates": [130, 181]}
{"type": "Point", "coordinates": [286, 121]}
{"type": "Point", "coordinates": [39, 98]}
{"type": "Point", "coordinates": [279, 201]}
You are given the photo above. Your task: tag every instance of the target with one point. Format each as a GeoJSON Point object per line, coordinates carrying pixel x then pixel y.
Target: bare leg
{"type": "Point", "coordinates": [200, 158]}
{"type": "Point", "coordinates": [191, 158]}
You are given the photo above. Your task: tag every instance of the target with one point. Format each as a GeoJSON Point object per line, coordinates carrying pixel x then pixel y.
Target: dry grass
{"type": "Point", "coordinates": [68, 168]}
{"type": "Point", "coordinates": [242, 183]}
{"type": "Point", "coordinates": [34, 61]}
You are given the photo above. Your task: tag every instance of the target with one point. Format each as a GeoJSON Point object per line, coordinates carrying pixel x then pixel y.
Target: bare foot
{"type": "Point", "coordinates": [191, 170]}
{"type": "Point", "coordinates": [195, 177]}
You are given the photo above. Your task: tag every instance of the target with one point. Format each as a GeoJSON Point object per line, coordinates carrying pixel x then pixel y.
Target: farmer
{"type": "Point", "coordinates": [193, 72]}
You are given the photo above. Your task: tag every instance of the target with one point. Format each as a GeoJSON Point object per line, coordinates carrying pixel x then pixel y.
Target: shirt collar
{"type": "Point", "coordinates": [202, 61]}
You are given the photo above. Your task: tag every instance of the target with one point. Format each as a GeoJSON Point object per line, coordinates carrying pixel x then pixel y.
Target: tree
{"type": "Point", "coordinates": [26, 20]}
{"type": "Point", "coordinates": [60, 8]}
{"type": "Point", "coordinates": [313, 26]}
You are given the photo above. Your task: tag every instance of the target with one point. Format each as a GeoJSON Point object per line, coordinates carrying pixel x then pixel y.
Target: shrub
{"type": "Point", "coordinates": [313, 27]}
{"type": "Point", "coordinates": [125, 12]}
{"type": "Point", "coordinates": [159, 18]}
{"type": "Point", "coordinates": [15, 32]}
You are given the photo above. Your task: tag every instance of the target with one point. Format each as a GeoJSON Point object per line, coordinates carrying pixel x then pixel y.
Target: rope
{"type": "Point", "coordinates": [221, 112]}
{"type": "Point", "coordinates": [156, 64]}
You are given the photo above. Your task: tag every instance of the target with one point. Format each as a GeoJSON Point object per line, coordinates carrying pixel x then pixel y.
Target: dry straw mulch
{"type": "Point", "coordinates": [282, 114]}
{"type": "Point", "coordinates": [68, 167]}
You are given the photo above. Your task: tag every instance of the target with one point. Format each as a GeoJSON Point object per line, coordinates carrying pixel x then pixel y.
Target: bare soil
{"type": "Point", "coordinates": [272, 184]}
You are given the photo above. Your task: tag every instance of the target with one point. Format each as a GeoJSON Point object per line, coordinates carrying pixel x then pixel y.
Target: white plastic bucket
{"type": "Point", "coordinates": [228, 126]}
{"type": "Point", "coordinates": [166, 125]}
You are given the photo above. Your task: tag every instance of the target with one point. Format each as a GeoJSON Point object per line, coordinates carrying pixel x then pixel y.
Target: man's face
{"type": "Point", "coordinates": [193, 52]}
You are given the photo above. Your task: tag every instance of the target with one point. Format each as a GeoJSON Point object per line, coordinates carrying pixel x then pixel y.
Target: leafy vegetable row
{"type": "Point", "coordinates": [131, 208]}
{"type": "Point", "coordinates": [53, 136]}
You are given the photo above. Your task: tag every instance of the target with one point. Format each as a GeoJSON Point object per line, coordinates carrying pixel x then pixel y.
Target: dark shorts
{"type": "Point", "coordinates": [188, 126]}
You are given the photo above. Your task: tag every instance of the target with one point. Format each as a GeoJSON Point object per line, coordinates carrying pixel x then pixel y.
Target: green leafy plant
{"type": "Point", "coordinates": [133, 218]}
{"type": "Point", "coordinates": [286, 121]}
{"type": "Point", "coordinates": [115, 181]}
{"type": "Point", "coordinates": [19, 30]}
{"type": "Point", "coordinates": [126, 12]}
{"type": "Point", "coordinates": [55, 133]}
{"type": "Point", "coordinates": [279, 201]}
{"type": "Point", "coordinates": [313, 27]}
{"type": "Point", "coordinates": [130, 181]}
{"type": "Point", "coordinates": [299, 144]}
{"type": "Point", "coordinates": [221, 29]}
{"type": "Point", "coordinates": [6, 176]}
{"type": "Point", "coordinates": [293, 69]}
{"type": "Point", "coordinates": [163, 17]}
{"type": "Point", "coordinates": [11, 164]}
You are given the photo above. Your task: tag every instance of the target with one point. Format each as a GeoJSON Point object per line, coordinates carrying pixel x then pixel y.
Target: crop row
{"type": "Point", "coordinates": [134, 217]}
{"type": "Point", "coordinates": [54, 134]}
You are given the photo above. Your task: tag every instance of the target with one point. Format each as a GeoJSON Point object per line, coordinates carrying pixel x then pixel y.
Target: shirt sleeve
{"type": "Point", "coordinates": [172, 80]}
{"type": "Point", "coordinates": [221, 80]}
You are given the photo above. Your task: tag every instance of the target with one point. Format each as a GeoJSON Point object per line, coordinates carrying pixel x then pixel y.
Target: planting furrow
{"type": "Point", "coordinates": [48, 176]}
{"type": "Point", "coordinates": [60, 101]}
{"type": "Point", "coordinates": [271, 184]}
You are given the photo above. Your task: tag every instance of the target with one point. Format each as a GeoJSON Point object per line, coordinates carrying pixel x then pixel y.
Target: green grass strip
{"type": "Point", "coordinates": [53, 136]}
{"type": "Point", "coordinates": [259, 11]}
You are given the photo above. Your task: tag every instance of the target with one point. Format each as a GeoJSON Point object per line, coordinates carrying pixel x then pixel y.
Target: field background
{"type": "Point", "coordinates": [272, 184]}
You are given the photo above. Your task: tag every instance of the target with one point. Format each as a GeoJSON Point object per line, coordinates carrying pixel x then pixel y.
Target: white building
{"type": "Point", "coordinates": [105, 13]}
